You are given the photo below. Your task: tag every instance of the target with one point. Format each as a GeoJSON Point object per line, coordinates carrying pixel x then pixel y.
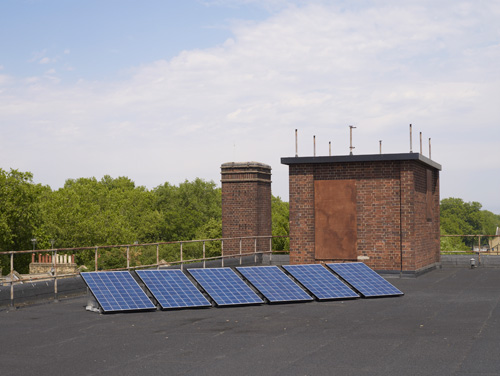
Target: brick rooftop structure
{"type": "Point", "coordinates": [246, 205]}
{"type": "Point", "coordinates": [381, 209]}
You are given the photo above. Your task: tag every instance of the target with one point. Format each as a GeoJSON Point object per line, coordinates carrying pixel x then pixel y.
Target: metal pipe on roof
{"type": "Point", "coordinates": [420, 142]}
{"type": "Point", "coordinates": [296, 144]}
{"type": "Point", "coordinates": [411, 140]}
{"type": "Point", "coordinates": [351, 127]}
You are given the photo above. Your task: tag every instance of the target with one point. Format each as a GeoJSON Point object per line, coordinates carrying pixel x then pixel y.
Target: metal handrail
{"type": "Point", "coordinates": [158, 264]}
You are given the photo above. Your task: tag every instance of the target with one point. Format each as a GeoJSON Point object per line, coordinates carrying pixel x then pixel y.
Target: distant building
{"type": "Point", "coordinates": [495, 242]}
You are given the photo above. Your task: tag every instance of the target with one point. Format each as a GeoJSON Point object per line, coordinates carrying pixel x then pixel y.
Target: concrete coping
{"type": "Point", "coordinates": [245, 165]}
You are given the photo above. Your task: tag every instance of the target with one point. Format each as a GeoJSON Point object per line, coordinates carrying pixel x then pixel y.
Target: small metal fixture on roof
{"type": "Point", "coordinates": [430, 155]}
{"type": "Point", "coordinates": [314, 144]}
{"type": "Point", "coordinates": [296, 145]}
{"type": "Point", "coordinates": [330, 148]}
{"type": "Point", "coordinates": [472, 263]}
{"type": "Point", "coordinates": [411, 141]}
{"type": "Point", "coordinates": [420, 142]}
{"type": "Point", "coordinates": [380, 146]}
{"type": "Point", "coordinates": [351, 127]}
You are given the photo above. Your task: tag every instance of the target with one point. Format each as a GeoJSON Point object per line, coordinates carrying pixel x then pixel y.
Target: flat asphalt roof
{"type": "Point", "coordinates": [448, 323]}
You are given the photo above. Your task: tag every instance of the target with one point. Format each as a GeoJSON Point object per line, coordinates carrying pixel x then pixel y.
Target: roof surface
{"type": "Point", "coordinates": [448, 323]}
{"type": "Point", "coordinates": [362, 158]}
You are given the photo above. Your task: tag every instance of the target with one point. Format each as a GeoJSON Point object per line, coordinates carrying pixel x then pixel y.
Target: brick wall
{"type": "Point", "coordinates": [246, 205]}
{"type": "Point", "coordinates": [397, 208]}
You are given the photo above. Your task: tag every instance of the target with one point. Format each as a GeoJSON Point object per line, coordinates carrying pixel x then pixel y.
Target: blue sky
{"type": "Point", "coordinates": [169, 90]}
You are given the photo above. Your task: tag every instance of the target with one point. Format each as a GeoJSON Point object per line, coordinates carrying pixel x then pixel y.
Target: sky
{"type": "Point", "coordinates": [164, 91]}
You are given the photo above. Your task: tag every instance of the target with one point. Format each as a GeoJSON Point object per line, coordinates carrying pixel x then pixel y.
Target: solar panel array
{"type": "Point", "coordinates": [172, 288]}
{"type": "Point", "coordinates": [366, 281]}
{"type": "Point", "coordinates": [275, 285]}
{"type": "Point", "coordinates": [224, 286]}
{"type": "Point", "coordinates": [117, 291]}
{"type": "Point", "coordinates": [320, 282]}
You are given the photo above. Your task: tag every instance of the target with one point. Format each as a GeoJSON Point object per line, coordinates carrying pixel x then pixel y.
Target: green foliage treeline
{"type": "Point", "coordinates": [465, 218]}
{"type": "Point", "coordinates": [87, 212]}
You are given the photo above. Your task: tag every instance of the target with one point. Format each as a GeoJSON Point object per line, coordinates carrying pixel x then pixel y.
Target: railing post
{"type": "Point", "coordinates": [128, 257]}
{"type": "Point", "coordinates": [182, 259]}
{"type": "Point", "coordinates": [255, 251]}
{"type": "Point", "coordinates": [479, 251]}
{"type": "Point", "coordinates": [204, 261]}
{"type": "Point", "coordinates": [240, 250]}
{"type": "Point", "coordinates": [12, 279]}
{"type": "Point", "coordinates": [222, 251]}
{"type": "Point", "coordinates": [95, 257]}
{"type": "Point", "coordinates": [158, 256]}
{"type": "Point", "coordinates": [270, 249]}
{"type": "Point", "coordinates": [55, 276]}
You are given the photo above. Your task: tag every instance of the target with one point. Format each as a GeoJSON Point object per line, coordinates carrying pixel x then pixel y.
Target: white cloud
{"type": "Point", "coordinates": [45, 60]}
{"type": "Point", "coordinates": [317, 68]}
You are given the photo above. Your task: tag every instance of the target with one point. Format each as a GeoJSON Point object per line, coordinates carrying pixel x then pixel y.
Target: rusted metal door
{"type": "Point", "coordinates": [335, 219]}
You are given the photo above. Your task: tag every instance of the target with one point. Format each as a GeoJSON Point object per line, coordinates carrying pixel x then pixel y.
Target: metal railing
{"type": "Point", "coordinates": [247, 246]}
{"type": "Point", "coordinates": [476, 245]}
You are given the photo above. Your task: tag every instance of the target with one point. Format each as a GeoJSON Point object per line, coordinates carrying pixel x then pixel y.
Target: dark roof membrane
{"type": "Point", "coordinates": [362, 158]}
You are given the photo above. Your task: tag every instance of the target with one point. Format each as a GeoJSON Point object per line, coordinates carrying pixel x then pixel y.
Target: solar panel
{"type": "Point", "coordinates": [172, 288]}
{"type": "Point", "coordinates": [366, 281]}
{"type": "Point", "coordinates": [320, 282]}
{"type": "Point", "coordinates": [275, 285]}
{"type": "Point", "coordinates": [117, 291]}
{"type": "Point", "coordinates": [224, 286]}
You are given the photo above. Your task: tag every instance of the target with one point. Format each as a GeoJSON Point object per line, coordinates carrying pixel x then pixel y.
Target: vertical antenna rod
{"type": "Point", "coordinates": [420, 142]}
{"type": "Point", "coordinates": [351, 127]}
{"type": "Point", "coordinates": [330, 148]}
{"type": "Point", "coordinates": [411, 141]}
{"type": "Point", "coordinates": [430, 148]}
{"type": "Point", "coordinates": [296, 145]}
{"type": "Point", "coordinates": [380, 146]}
{"type": "Point", "coordinates": [314, 144]}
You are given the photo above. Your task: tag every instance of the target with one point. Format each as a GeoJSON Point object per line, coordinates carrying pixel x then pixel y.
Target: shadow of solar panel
{"type": "Point", "coordinates": [275, 285]}
{"type": "Point", "coordinates": [172, 289]}
{"type": "Point", "coordinates": [117, 291]}
{"type": "Point", "coordinates": [364, 280]}
{"type": "Point", "coordinates": [323, 284]}
{"type": "Point", "coordinates": [225, 287]}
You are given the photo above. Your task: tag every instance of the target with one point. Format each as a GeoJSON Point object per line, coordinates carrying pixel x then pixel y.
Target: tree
{"type": "Point", "coordinates": [212, 229]}
{"type": "Point", "coordinates": [87, 212]}
{"type": "Point", "coordinates": [19, 215]}
{"type": "Point", "coordinates": [281, 225]}
{"type": "Point", "coordinates": [465, 218]}
{"type": "Point", "coordinates": [186, 208]}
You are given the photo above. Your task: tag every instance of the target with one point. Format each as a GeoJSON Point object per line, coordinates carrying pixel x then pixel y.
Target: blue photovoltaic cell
{"type": "Point", "coordinates": [320, 282]}
{"type": "Point", "coordinates": [366, 281]}
{"type": "Point", "coordinates": [275, 285]}
{"type": "Point", "coordinates": [117, 291]}
{"type": "Point", "coordinates": [224, 286]}
{"type": "Point", "coordinates": [172, 289]}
